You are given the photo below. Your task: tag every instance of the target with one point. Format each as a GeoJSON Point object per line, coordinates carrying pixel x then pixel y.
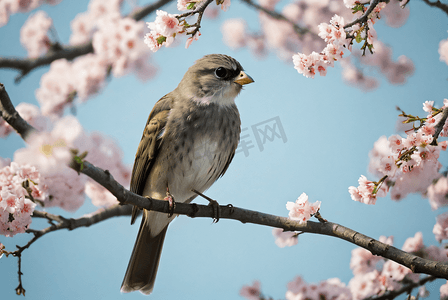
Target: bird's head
{"type": "Point", "coordinates": [215, 78]}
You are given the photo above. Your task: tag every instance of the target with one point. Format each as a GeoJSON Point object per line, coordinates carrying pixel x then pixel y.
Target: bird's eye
{"type": "Point", "coordinates": [221, 72]}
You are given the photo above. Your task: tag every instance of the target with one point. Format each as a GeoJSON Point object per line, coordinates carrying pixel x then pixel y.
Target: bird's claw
{"type": "Point", "coordinates": [213, 203]}
{"type": "Point", "coordinates": [216, 209]}
{"type": "Point", "coordinates": [171, 203]}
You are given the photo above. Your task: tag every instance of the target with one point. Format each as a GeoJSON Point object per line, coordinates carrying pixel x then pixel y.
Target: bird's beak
{"type": "Point", "coordinates": [243, 78]}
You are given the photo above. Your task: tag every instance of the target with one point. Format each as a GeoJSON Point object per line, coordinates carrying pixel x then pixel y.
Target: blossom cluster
{"type": "Point", "coordinates": [335, 37]}
{"type": "Point", "coordinates": [118, 50]}
{"type": "Point", "coordinates": [34, 34]}
{"type": "Point", "coordinates": [374, 275]}
{"type": "Point", "coordinates": [166, 27]}
{"type": "Point", "coordinates": [285, 238]}
{"type": "Point", "coordinates": [302, 210]}
{"type": "Point", "coordinates": [9, 7]}
{"type": "Point", "coordinates": [281, 36]}
{"type": "Point", "coordinates": [407, 164]}
{"type": "Point", "coordinates": [337, 40]}
{"type": "Point", "coordinates": [20, 186]}
{"type": "Point", "coordinates": [51, 150]}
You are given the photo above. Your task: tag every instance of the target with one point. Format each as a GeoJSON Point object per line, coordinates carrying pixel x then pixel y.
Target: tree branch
{"type": "Point", "coordinates": [124, 196]}
{"type": "Point", "coordinates": [438, 4]}
{"type": "Point", "coordinates": [11, 116]}
{"type": "Point", "coordinates": [439, 126]}
{"type": "Point", "coordinates": [26, 65]}
{"type": "Point", "coordinates": [365, 16]}
{"type": "Point", "coordinates": [405, 289]}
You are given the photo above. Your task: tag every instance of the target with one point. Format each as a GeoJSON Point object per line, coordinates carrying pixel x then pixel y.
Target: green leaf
{"type": "Point", "coordinates": [358, 38]}
{"type": "Point", "coordinates": [191, 5]}
{"type": "Point", "coordinates": [161, 39]}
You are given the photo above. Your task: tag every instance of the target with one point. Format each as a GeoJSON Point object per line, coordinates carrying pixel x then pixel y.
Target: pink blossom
{"type": "Point", "coordinates": [269, 4]}
{"type": "Point", "coordinates": [90, 74]}
{"type": "Point", "coordinates": [195, 37]}
{"type": "Point", "coordinates": [165, 24]}
{"type": "Point", "coordinates": [440, 230]}
{"type": "Point", "coordinates": [302, 210]}
{"type": "Point", "coordinates": [182, 4]}
{"type": "Point", "coordinates": [428, 106]}
{"type": "Point", "coordinates": [365, 285]}
{"type": "Point", "coordinates": [56, 89]}
{"type": "Point", "coordinates": [151, 41]}
{"type": "Point", "coordinates": [251, 292]}
{"type": "Point", "coordinates": [438, 193]}
{"type": "Point", "coordinates": [350, 3]}
{"type": "Point", "coordinates": [225, 5]}
{"type": "Point", "coordinates": [436, 253]}
{"type": "Point", "coordinates": [49, 152]}
{"type": "Point", "coordinates": [34, 34]}
{"type": "Point", "coordinates": [16, 207]}
{"type": "Point", "coordinates": [414, 244]}
{"type": "Point", "coordinates": [363, 261]}
{"type": "Point", "coordinates": [331, 288]}
{"type": "Point", "coordinates": [284, 238]}
{"type": "Point", "coordinates": [393, 274]}
{"type": "Point", "coordinates": [444, 291]}
{"type": "Point", "coordinates": [106, 154]}
{"type": "Point", "coordinates": [118, 43]}
{"type": "Point", "coordinates": [365, 192]}
{"type": "Point", "coordinates": [443, 50]}
{"type": "Point", "coordinates": [234, 33]}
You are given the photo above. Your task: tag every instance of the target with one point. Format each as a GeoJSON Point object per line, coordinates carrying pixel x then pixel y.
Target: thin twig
{"type": "Point", "coordinates": [11, 116]}
{"type": "Point", "coordinates": [407, 288]}
{"type": "Point", "coordinates": [439, 126]}
{"type": "Point", "coordinates": [365, 16]}
{"type": "Point", "coordinates": [438, 4]}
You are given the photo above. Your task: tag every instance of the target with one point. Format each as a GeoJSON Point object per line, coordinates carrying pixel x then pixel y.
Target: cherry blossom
{"type": "Point", "coordinates": [302, 210]}
{"type": "Point", "coordinates": [284, 238]}
{"type": "Point", "coordinates": [438, 193]}
{"type": "Point", "coordinates": [34, 34]}
{"type": "Point", "coordinates": [234, 33]}
{"type": "Point", "coordinates": [440, 230]}
{"type": "Point", "coordinates": [414, 244]}
{"type": "Point", "coordinates": [443, 50]}
{"type": "Point", "coordinates": [163, 30]}
{"type": "Point", "coordinates": [444, 291]}
{"type": "Point", "coordinates": [49, 152]}
{"type": "Point", "coordinates": [363, 261]}
{"type": "Point", "coordinates": [107, 155]}
{"type": "Point", "coordinates": [195, 37]}
{"type": "Point", "coordinates": [117, 42]}
{"type": "Point", "coordinates": [18, 185]}
{"type": "Point", "coordinates": [9, 7]}
{"type": "Point", "coordinates": [251, 292]}
{"type": "Point", "coordinates": [331, 288]}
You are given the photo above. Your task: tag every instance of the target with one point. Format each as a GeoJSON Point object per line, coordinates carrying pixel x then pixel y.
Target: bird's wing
{"type": "Point", "coordinates": [149, 145]}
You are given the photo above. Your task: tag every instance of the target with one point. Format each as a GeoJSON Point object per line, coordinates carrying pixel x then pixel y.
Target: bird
{"type": "Point", "coordinates": [188, 142]}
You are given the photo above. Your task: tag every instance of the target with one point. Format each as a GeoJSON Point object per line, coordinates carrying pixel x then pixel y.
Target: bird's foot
{"type": "Point", "coordinates": [213, 203]}
{"type": "Point", "coordinates": [171, 202]}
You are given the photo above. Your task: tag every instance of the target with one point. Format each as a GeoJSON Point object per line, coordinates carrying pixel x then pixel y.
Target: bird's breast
{"type": "Point", "coordinates": [201, 145]}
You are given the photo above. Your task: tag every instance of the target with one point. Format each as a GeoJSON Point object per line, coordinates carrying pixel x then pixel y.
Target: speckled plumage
{"type": "Point", "coordinates": [188, 143]}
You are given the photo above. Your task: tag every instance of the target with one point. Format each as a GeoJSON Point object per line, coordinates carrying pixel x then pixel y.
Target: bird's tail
{"type": "Point", "coordinates": [142, 268]}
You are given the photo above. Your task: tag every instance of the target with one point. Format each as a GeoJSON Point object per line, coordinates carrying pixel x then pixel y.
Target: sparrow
{"type": "Point", "coordinates": [189, 140]}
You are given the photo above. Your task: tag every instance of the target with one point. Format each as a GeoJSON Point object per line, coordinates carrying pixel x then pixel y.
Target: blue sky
{"type": "Point", "coordinates": [329, 127]}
